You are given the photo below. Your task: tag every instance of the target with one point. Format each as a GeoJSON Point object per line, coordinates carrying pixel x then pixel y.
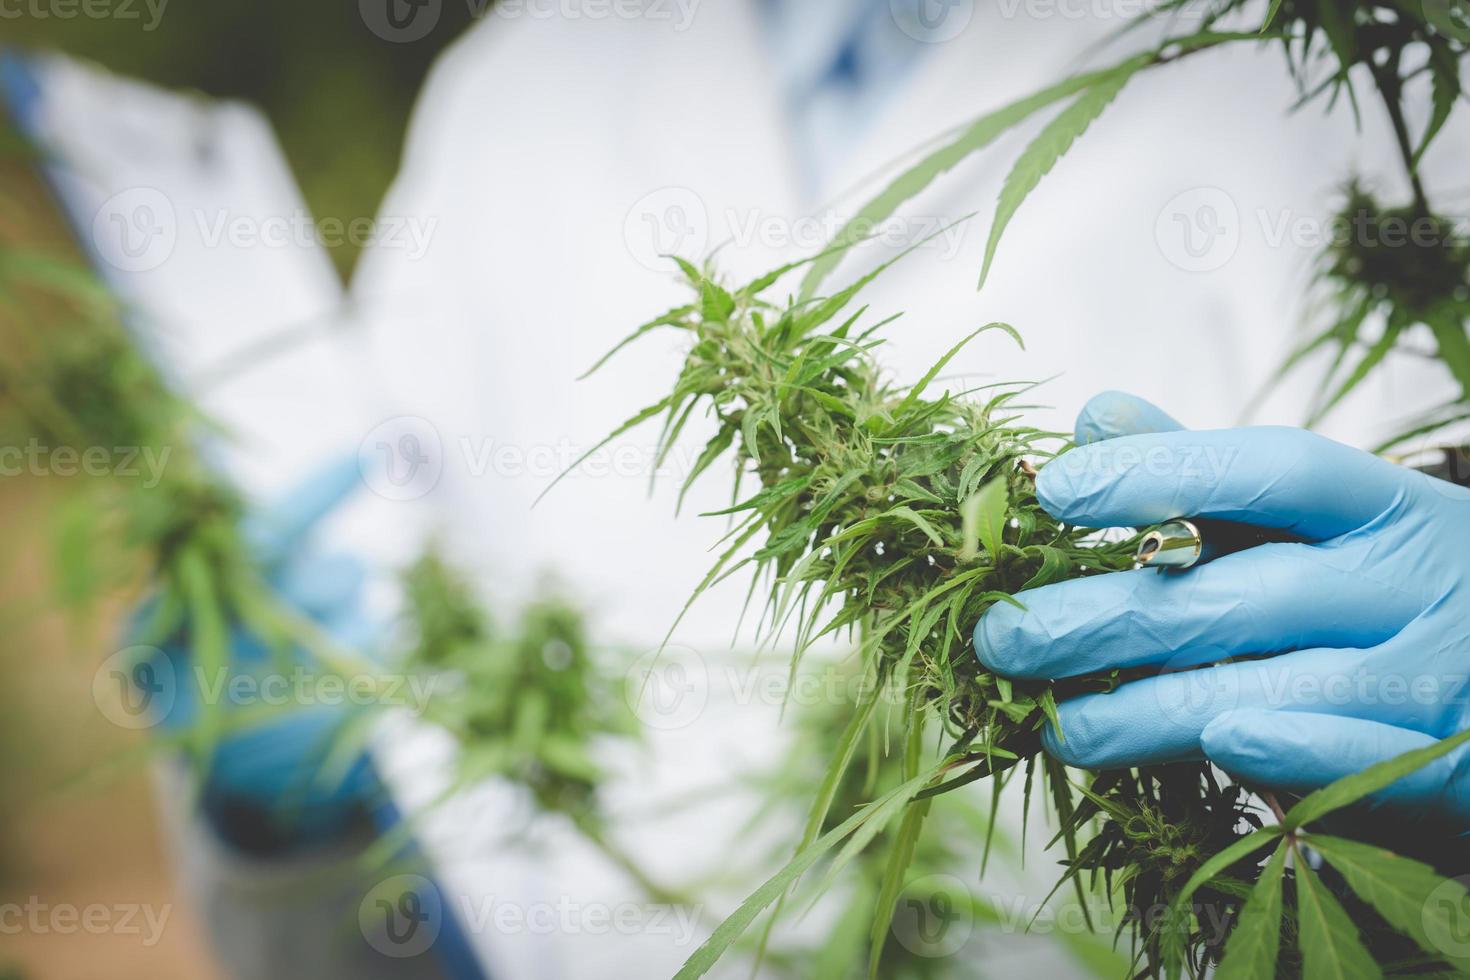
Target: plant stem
{"type": "Point", "coordinates": [1275, 805]}
{"type": "Point", "coordinates": [1385, 78]}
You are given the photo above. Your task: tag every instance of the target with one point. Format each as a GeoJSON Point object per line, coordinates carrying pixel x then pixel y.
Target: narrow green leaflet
{"type": "Point", "coordinates": [975, 137]}
{"type": "Point", "coordinates": [867, 822]}
{"type": "Point", "coordinates": [1270, 15]}
{"type": "Point", "coordinates": [1453, 348]}
{"type": "Point", "coordinates": [983, 517]}
{"type": "Point", "coordinates": [1445, 78]}
{"type": "Point", "coordinates": [1412, 897]}
{"type": "Point", "coordinates": [1330, 946]}
{"type": "Point", "coordinates": [1256, 942]}
{"type": "Point", "coordinates": [913, 396]}
{"type": "Point", "coordinates": [1049, 146]}
{"type": "Point", "coordinates": [1351, 789]}
{"type": "Point", "coordinates": [1371, 359]}
{"type": "Point", "coordinates": [901, 856]}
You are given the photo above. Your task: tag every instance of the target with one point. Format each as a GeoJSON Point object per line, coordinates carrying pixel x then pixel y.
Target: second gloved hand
{"type": "Point", "coordinates": [277, 780]}
{"type": "Point", "coordinates": [1358, 640]}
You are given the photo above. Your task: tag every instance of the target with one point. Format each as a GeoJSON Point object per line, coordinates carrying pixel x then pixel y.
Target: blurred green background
{"type": "Point", "coordinates": [338, 95]}
{"type": "Point", "coordinates": [339, 98]}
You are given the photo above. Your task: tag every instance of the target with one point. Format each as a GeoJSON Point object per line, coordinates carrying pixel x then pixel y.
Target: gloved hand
{"type": "Point", "coordinates": [1364, 630]}
{"type": "Point", "coordinates": [279, 783]}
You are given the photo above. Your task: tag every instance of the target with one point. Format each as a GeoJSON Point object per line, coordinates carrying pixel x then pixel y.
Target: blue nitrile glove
{"type": "Point", "coordinates": [281, 784]}
{"type": "Point", "coordinates": [1365, 629]}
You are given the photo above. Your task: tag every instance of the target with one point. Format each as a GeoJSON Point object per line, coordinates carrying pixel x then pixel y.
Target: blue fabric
{"type": "Point", "coordinates": [1356, 638]}
{"type": "Point", "coordinates": [838, 63]}
{"type": "Point", "coordinates": [19, 89]}
{"type": "Point", "coordinates": [277, 784]}
{"type": "Point", "coordinates": [452, 948]}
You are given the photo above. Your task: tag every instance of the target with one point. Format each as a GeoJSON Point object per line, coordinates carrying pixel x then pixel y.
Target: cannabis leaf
{"type": "Point", "coordinates": [1253, 946]}
{"type": "Point", "coordinates": [1330, 946]}
{"type": "Point", "coordinates": [1037, 160]}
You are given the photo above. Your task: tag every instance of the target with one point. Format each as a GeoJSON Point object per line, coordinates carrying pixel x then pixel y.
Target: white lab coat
{"type": "Point", "coordinates": [547, 153]}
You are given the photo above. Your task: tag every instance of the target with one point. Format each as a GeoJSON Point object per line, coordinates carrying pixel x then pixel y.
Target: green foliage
{"type": "Point", "coordinates": [1329, 940]}
{"type": "Point", "coordinates": [1327, 44]}
{"type": "Point", "coordinates": [896, 518]}
{"type": "Point", "coordinates": [81, 383]}
{"type": "Point", "coordinates": [1409, 897]}
{"type": "Point", "coordinates": [528, 705]}
{"type": "Point", "coordinates": [909, 868]}
{"type": "Point", "coordinates": [1256, 941]}
{"type": "Point", "coordinates": [525, 705]}
{"type": "Point", "coordinates": [1387, 273]}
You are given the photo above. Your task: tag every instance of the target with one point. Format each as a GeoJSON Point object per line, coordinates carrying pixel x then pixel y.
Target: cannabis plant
{"type": "Point", "coordinates": [937, 911]}
{"type": "Point", "coordinates": [895, 516]}
{"type": "Point", "coordinates": [1325, 43]}
{"type": "Point", "coordinates": [529, 706]}
{"type": "Point", "coordinates": [1391, 278]}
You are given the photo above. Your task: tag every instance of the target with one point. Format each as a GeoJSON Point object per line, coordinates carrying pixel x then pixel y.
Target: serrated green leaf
{"type": "Point", "coordinates": [1037, 160]}
{"type": "Point", "coordinates": [974, 137]}
{"type": "Point", "coordinates": [1444, 93]}
{"type": "Point", "coordinates": [901, 855]}
{"type": "Point", "coordinates": [1412, 897]}
{"type": "Point", "coordinates": [1371, 359]}
{"type": "Point", "coordinates": [918, 521]}
{"type": "Point", "coordinates": [1329, 941]}
{"type": "Point", "coordinates": [1256, 942]}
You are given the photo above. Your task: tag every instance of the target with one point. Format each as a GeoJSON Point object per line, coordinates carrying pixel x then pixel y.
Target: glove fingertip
{"type": "Point", "coordinates": [1110, 414]}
